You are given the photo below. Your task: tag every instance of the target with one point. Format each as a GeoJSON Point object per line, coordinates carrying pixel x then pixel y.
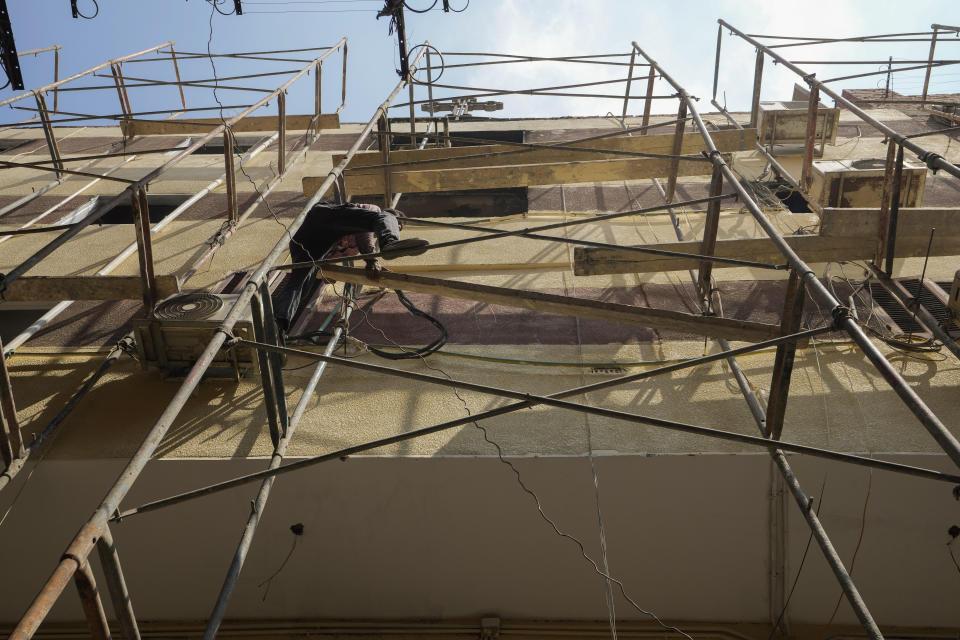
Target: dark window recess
{"type": "Point", "coordinates": [215, 146]}
{"type": "Point", "coordinates": [789, 196]}
{"type": "Point", "coordinates": [897, 316]}
{"type": "Point", "coordinates": [13, 322]}
{"type": "Point", "coordinates": [466, 138]}
{"type": "Point", "coordinates": [476, 203]}
{"type": "Point", "coordinates": [11, 144]}
{"type": "Point", "coordinates": [160, 206]}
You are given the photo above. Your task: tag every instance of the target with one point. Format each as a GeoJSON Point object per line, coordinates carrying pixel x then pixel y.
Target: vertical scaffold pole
{"type": "Point", "coordinates": [757, 86]}
{"type": "Point", "coordinates": [626, 94]}
{"type": "Point", "coordinates": [141, 222]}
{"type": "Point", "coordinates": [230, 173]}
{"type": "Point", "coordinates": [806, 176]}
{"type": "Point", "coordinates": [926, 76]}
{"type": "Point", "coordinates": [648, 103]}
{"type": "Point", "coordinates": [117, 585]}
{"type": "Point", "coordinates": [677, 149]}
{"type": "Point", "coordinates": [783, 363]}
{"type": "Point", "coordinates": [282, 130]}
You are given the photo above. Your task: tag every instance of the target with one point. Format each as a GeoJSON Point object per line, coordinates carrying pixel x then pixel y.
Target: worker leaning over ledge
{"type": "Point", "coordinates": [339, 231]}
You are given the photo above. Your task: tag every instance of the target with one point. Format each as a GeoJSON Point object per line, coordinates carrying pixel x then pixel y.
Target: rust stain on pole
{"type": "Point", "coordinates": [92, 604]}
{"type": "Point", "coordinates": [757, 84]}
{"type": "Point", "coordinates": [176, 70]}
{"type": "Point", "coordinates": [926, 77]}
{"type": "Point", "coordinates": [812, 107]}
{"type": "Point", "coordinates": [281, 144]}
{"type": "Point", "coordinates": [677, 148]}
{"type": "Point", "coordinates": [49, 133]}
{"type": "Point", "coordinates": [649, 100]}
{"type": "Point", "coordinates": [709, 244]}
{"type": "Point", "coordinates": [783, 363]}
{"type": "Point", "coordinates": [9, 408]}
{"type": "Point", "coordinates": [141, 221]}
{"type": "Point", "coordinates": [231, 180]}
{"type": "Point", "coordinates": [885, 196]}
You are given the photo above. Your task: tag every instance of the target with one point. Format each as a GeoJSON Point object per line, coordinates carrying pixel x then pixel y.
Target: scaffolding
{"type": "Point", "coordinates": [693, 148]}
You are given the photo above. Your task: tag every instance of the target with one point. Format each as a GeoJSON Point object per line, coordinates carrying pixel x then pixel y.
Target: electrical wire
{"type": "Point", "coordinates": [243, 170]}
{"type": "Point", "coordinates": [803, 560]}
{"type": "Point", "coordinates": [593, 364]}
{"type": "Point", "coordinates": [96, 11]}
{"type": "Point", "coordinates": [442, 67]}
{"type": "Point", "coordinates": [856, 550]}
{"type": "Point", "coordinates": [418, 10]}
{"type": "Point", "coordinates": [608, 586]}
{"type": "Point", "coordinates": [421, 351]}
{"type": "Point", "coordinates": [297, 531]}
{"type": "Point", "coordinates": [530, 492]}
{"type": "Point", "coordinates": [214, 4]}
{"type": "Point", "coordinates": [952, 556]}
{"type": "Point", "coordinates": [466, 4]}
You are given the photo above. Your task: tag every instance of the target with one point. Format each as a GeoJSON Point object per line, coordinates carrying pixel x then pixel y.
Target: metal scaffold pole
{"type": "Point", "coordinates": [74, 560]}
{"type": "Point", "coordinates": [947, 441]}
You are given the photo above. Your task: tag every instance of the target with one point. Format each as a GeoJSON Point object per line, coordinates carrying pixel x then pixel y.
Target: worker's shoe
{"type": "Point", "coordinates": [405, 247]}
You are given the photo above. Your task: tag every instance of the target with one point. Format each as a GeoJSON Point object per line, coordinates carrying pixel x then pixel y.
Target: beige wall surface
{"type": "Point", "coordinates": [436, 528]}
{"type": "Point", "coordinates": [458, 537]}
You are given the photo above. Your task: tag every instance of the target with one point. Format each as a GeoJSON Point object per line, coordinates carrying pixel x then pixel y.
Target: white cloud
{"type": "Point", "coordinates": [679, 35]}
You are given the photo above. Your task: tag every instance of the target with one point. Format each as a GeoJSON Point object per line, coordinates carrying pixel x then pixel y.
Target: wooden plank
{"type": "Point", "coordinates": [911, 221]}
{"type": "Point", "coordinates": [57, 288]}
{"type": "Point", "coordinates": [551, 303]}
{"type": "Point", "coordinates": [726, 141]}
{"type": "Point", "coordinates": [500, 177]}
{"type": "Point", "coordinates": [811, 248]}
{"type": "Point", "coordinates": [203, 125]}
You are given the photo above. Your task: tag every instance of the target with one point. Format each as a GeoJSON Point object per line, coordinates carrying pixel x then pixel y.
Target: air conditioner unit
{"type": "Point", "coordinates": [785, 123]}
{"type": "Point", "coordinates": [859, 183]}
{"type": "Point", "coordinates": [179, 329]}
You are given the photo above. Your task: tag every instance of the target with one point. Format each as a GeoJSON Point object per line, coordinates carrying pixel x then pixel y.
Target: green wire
{"type": "Point", "coordinates": [549, 363]}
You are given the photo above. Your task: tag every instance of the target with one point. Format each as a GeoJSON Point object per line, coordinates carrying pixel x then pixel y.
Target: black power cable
{"type": "Point", "coordinates": [432, 5]}
{"type": "Point", "coordinates": [408, 354]}
{"type": "Point", "coordinates": [79, 14]}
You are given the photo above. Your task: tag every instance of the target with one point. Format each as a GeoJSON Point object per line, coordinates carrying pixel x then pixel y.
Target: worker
{"type": "Point", "coordinates": [339, 231]}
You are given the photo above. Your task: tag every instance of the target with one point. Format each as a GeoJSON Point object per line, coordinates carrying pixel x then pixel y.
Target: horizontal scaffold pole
{"type": "Point", "coordinates": [528, 400]}
{"type": "Point", "coordinates": [664, 319]}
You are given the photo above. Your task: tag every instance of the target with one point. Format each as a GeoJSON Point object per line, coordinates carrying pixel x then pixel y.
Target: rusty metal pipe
{"type": "Point", "coordinates": [947, 441]}
{"type": "Point", "coordinates": [117, 585]}
{"type": "Point", "coordinates": [85, 540]}
{"type": "Point", "coordinates": [92, 604]}
{"type": "Point", "coordinates": [60, 83]}
{"type": "Point", "coordinates": [53, 245]}
{"type": "Point", "coordinates": [526, 400]}
{"type": "Point", "coordinates": [932, 160]}
{"type": "Point", "coordinates": [246, 540]}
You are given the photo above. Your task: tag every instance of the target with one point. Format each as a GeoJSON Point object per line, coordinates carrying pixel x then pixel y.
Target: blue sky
{"type": "Point", "coordinates": [680, 34]}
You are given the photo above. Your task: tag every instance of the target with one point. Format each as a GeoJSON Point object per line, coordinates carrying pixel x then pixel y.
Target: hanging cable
{"type": "Point", "coordinates": [447, 7]}
{"type": "Point", "coordinates": [583, 552]}
{"type": "Point", "coordinates": [432, 5]}
{"type": "Point", "coordinates": [79, 14]}
{"type": "Point", "coordinates": [214, 4]}
{"type": "Point", "coordinates": [421, 352]}
{"type": "Point", "coordinates": [803, 560]}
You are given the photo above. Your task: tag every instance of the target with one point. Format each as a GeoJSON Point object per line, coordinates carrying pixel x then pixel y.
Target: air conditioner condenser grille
{"type": "Point", "coordinates": [188, 306]}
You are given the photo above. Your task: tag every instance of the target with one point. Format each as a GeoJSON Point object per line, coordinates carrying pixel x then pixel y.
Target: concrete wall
{"type": "Point", "coordinates": [459, 538]}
